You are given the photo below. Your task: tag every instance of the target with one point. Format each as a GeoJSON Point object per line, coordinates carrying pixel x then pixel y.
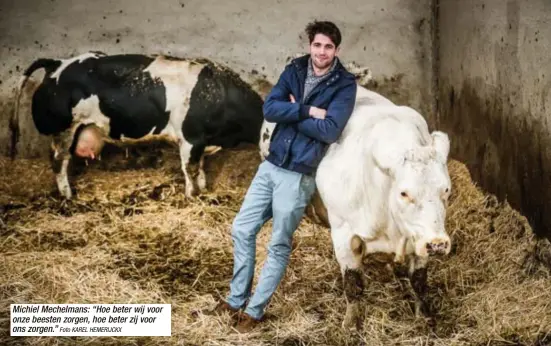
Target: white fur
{"type": "Point", "coordinates": [264, 143]}
{"type": "Point", "coordinates": [67, 62]}
{"type": "Point", "coordinates": [87, 111]}
{"type": "Point", "coordinates": [179, 79]}
{"type": "Point", "coordinates": [384, 145]}
{"type": "Point", "coordinates": [62, 180]}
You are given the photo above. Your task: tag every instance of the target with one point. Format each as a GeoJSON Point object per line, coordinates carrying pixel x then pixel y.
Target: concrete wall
{"type": "Point", "coordinates": [495, 97]}
{"type": "Point", "coordinates": [392, 37]}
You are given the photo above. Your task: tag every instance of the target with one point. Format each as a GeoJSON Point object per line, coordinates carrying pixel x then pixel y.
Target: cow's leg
{"type": "Point", "coordinates": [349, 251]}
{"type": "Point", "coordinates": [201, 176]}
{"type": "Point", "coordinates": [60, 161]}
{"type": "Point", "coordinates": [185, 155]}
{"type": "Point", "coordinates": [197, 159]}
{"type": "Point", "coordinates": [418, 279]}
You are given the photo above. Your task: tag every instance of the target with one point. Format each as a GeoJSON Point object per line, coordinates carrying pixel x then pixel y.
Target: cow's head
{"type": "Point", "coordinates": [419, 196]}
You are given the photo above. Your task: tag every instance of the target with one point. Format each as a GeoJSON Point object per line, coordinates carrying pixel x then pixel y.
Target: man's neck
{"type": "Point", "coordinates": [320, 72]}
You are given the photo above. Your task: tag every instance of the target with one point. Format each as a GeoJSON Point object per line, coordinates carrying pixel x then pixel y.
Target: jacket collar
{"type": "Point", "coordinates": [301, 64]}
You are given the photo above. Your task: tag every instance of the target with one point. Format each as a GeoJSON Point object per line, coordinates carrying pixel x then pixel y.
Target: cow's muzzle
{"type": "Point", "coordinates": [438, 246]}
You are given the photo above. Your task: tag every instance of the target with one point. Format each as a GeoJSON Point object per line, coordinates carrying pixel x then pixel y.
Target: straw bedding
{"type": "Point", "coordinates": [132, 237]}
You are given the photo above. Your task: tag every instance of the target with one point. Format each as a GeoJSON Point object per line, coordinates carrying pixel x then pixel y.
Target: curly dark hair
{"type": "Point", "coordinates": [326, 28]}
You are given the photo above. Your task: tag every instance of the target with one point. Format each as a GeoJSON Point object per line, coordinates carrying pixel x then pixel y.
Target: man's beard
{"type": "Point", "coordinates": [322, 67]}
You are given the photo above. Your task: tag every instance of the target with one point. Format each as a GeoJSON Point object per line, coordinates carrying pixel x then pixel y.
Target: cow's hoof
{"type": "Point", "coordinates": [189, 191]}
{"type": "Point", "coordinates": [422, 310]}
{"type": "Point", "coordinates": [67, 193]}
{"type": "Point", "coordinates": [431, 322]}
{"type": "Point", "coordinates": [202, 183]}
{"type": "Point", "coordinates": [352, 320]}
{"type": "Point", "coordinates": [351, 323]}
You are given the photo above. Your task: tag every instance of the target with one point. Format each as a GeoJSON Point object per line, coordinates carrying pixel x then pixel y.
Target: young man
{"type": "Point", "coordinates": [310, 104]}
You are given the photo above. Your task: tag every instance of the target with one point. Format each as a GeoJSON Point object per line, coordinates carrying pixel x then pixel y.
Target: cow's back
{"type": "Point", "coordinates": [109, 70]}
{"type": "Point", "coordinates": [133, 101]}
{"type": "Point", "coordinates": [224, 110]}
{"type": "Point", "coordinates": [133, 98]}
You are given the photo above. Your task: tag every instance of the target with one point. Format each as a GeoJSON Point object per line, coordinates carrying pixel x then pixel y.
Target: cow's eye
{"type": "Point", "coordinates": [406, 197]}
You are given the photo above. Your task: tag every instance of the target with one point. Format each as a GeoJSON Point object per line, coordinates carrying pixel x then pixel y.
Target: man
{"type": "Point", "coordinates": [310, 104]}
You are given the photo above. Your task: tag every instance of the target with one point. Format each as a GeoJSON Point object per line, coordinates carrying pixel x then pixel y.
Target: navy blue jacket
{"type": "Point", "coordinates": [299, 141]}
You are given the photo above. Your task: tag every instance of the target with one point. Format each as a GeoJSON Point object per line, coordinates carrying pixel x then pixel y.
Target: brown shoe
{"type": "Point", "coordinates": [246, 323]}
{"type": "Point", "coordinates": [221, 308]}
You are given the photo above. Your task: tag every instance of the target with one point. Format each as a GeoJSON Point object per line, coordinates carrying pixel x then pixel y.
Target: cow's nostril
{"type": "Point", "coordinates": [437, 247]}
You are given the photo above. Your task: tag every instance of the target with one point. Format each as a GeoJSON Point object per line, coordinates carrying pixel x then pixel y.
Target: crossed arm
{"type": "Point", "coordinates": [323, 125]}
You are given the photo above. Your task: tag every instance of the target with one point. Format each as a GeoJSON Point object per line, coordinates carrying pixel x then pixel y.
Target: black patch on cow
{"type": "Point", "coordinates": [74, 143]}
{"type": "Point", "coordinates": [172, 58]}
{"type": "Point", "coordinates": [266, 135]}
{"type": "Point", "coordinates": [353, 284]}
{"type": "Point", "coordinates": [201, 61]}
{"type": "Point", "coordinates": [419, 281]}
{"type": "Point", "coordinates": [419, 284]}
{"type": "Point", "coordinates": [224, 110]}
{"type": "Point", "coordinates": [50, 65]}
{"type": "Point", "coordinates": [131, 98]}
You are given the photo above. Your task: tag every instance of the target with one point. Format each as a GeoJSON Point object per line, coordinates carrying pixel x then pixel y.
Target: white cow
{"type": "Point", "coordinates": [385, 186]}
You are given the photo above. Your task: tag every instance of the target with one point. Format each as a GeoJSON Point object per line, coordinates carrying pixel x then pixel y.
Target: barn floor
{"type": "Point", "coordinates": [131, 237]}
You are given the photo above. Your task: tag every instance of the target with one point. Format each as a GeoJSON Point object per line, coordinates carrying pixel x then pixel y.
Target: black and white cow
{"type": "Point", "coordinates": [193, 102]}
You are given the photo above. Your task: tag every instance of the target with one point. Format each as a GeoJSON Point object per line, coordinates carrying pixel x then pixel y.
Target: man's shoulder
{"type": "Point", "coordinates": [300, 62]}
{"type": "Point", "coordinates": [293, 67]}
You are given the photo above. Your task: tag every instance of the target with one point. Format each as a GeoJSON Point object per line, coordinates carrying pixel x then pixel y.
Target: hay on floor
{"type": "Point", "coordinates": [131, 236]}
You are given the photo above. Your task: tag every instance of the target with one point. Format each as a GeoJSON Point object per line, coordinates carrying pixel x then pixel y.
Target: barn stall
{"type": "Point", "coordinates": [131, 236]}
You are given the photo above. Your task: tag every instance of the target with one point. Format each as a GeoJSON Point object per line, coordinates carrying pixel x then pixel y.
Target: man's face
{"type": "Point", "coordinates": [322, 51]}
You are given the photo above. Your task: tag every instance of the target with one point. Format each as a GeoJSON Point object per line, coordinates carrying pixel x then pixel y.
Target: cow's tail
{"type": "Point", "coordinates": [49, 65]}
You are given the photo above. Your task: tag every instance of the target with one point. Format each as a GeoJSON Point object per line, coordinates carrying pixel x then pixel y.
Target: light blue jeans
{"type": "Point", "coordinates": [274, 193]}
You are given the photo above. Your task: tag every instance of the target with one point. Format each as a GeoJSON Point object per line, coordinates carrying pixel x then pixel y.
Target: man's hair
{"type": "Point", "coordinates": [326, 28]}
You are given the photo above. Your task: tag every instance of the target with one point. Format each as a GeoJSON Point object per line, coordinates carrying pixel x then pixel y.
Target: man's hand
{"type": "Point", "coordinates": [315, 112]}
{"type": "Point", "coordinates": [318, 113]}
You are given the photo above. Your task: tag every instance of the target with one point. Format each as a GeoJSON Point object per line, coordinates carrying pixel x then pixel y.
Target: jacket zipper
{"type": "Point", "coordinates": [314, 91]}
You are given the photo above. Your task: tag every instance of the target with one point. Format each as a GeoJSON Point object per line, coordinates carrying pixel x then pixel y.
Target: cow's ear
{"type": "Point", "coordinates": [441, 143]}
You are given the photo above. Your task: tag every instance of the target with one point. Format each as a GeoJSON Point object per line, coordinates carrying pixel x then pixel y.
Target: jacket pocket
{"type": "Point", "coordinates": [312, 154]}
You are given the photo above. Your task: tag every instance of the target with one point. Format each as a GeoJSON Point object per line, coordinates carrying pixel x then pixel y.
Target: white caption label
{"type": "Point", "coordinates": [90, 319]}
